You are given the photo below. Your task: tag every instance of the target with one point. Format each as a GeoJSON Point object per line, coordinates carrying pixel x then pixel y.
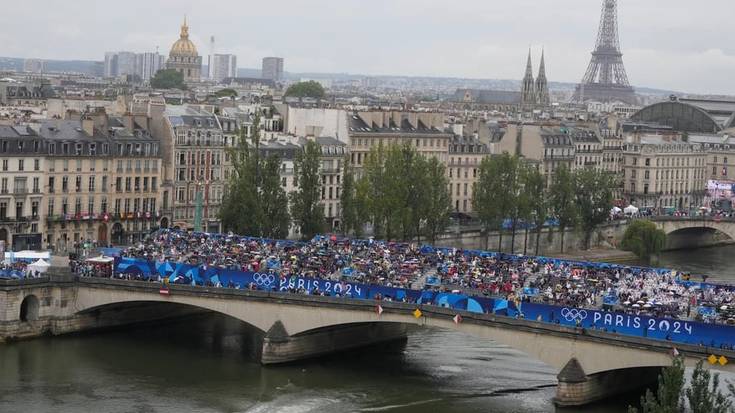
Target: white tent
{"type": "Point", "coordinates": [615, 210]}
{"type": "Point", "coordinates": [631, 210]}
{"type": "Point", "coordinates": [40, 266]}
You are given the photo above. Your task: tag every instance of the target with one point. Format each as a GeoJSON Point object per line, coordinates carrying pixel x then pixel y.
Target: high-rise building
{"type": "Point", "coordinates": [147, 64]}
{"type": "Point", "coordinates": [34, 65]}
{"type": "Point", "coordinates": [272, 68]}
{"type": "Point", "coordinates": [223, 66]}
{"type": "Point", "coordinates": [110, 64]}
{"type": "Point", "coordinates": [126, 63]}
{"type": "Point", "coordinates": [143, 65]}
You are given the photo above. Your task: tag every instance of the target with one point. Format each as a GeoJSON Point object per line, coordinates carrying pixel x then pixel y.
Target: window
{"type": "Point", "coordinates": [91, 184]}
{"type": "Point", "coordinates": [5, 164]}
{"type": "Point", "coordinates": [78, 185]}
{"type": "Point", "coordinates": [51, 184]}
{"type": "Point", "coordinates": [104, 184]}
{"type": "Point", "coordinates": [19, 209]}
{"type": "Point", "coordinates": [36, 188]}
{"type": "Point", "coordinates": [3, 210]}
{"type": "Point", "coordinates": [154, 184]}
{"type": "Point", "coordinates": [103, 206]}
{"type": "Point", "coordinates": [77, 206]}
{"type": "Point", "coordinates": [34, 209]}
{"type": "Point", "coordinates": [21, 164]}
{"type": "Point", "coordinates": [51, 207]}
{"type": "Point", "coordinates": [127, 184]}
{"type": "Point", "coordinates": [65, 183]}
{"type": "Point", "coordinates": [64, 206]}
{"type": "Point", "coordinates": [118, 184]}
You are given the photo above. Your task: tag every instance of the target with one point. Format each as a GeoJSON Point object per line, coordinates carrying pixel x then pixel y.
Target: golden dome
{"type": "Point", "coordinates": [184, 46]}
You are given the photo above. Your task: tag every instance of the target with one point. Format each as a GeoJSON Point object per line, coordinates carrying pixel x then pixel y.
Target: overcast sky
{"type": "Point", "coordinates": [682, 45]}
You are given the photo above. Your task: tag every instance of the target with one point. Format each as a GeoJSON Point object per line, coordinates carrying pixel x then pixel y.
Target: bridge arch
{"type": "Point", "coordinates": [692, 232]}
{"type": "Point", "coordinates": [29, 308]}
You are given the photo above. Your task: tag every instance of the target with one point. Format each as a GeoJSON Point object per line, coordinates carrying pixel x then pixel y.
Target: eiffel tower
{"type": "Point", "coordinates": [606, 80]}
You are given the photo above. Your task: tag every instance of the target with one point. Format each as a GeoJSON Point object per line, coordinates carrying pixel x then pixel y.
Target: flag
{"type": "Point", "coordinates": [675, 352]}
{"type": "Point", "coordinates": [379, 310]}
{"type": "Point", "coordinates": [163, 291]}
{"type": "Point", "coordinates": [457, 319]}
{"type": "Point", "coordinates": [417, 313]}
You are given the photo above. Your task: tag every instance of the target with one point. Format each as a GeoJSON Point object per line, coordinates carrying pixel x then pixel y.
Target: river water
{"type": "Point", "coordinates": [202, 364]}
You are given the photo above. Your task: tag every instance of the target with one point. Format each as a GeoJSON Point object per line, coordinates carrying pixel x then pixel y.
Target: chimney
{"type": "Point", "coordinates": [88, 126]}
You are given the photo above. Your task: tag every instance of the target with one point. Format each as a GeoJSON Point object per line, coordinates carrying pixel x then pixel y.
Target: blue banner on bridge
{"type": "Point", "coordinates": [672, 330]}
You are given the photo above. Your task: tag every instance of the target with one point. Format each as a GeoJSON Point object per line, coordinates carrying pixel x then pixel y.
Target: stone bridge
{"type": "Point", "coordinates": [693, 232]}
{"type": "Point", "coordinates": [592, 364]}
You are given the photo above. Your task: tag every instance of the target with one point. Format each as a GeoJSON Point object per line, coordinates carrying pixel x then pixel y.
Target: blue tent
{"type": "Point", "coordinates": [433, 281]}
{"type": "Point", "coordinates": [427, 249]}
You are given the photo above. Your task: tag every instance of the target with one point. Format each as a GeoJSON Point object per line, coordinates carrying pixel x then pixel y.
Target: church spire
{"type": "Point", "coordinates": [542, 86]}
{"type": "Point", "coordinates": [528, 88]}
{"type": "Point", "coordinates": [529, 65]}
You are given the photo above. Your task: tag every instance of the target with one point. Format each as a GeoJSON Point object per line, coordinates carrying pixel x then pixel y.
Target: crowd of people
{"type": "Point", "coordinates": [633, 290]}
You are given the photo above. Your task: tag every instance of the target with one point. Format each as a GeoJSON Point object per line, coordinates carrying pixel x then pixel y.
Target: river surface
{"type": "Point", "coordinates": [202, 364]}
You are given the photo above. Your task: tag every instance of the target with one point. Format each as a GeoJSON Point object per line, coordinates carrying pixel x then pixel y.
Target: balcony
{"type": "Point", "coordinates": [20, 191]}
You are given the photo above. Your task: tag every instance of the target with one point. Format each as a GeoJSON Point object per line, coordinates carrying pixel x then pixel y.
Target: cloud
{"type": "Point", "coordinates": [666, 43]}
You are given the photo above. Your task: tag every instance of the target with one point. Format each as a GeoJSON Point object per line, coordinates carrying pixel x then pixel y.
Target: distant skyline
{"type": "Point", "coordinates": [667, 44]}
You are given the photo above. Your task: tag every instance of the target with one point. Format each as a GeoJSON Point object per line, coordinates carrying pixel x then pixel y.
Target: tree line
{"type": "Point", "coordinates": [512, 192]}
{"type": "Point", "coordinates": [400, 193]}
{"type": "Point", "coordinates": [255, 200]}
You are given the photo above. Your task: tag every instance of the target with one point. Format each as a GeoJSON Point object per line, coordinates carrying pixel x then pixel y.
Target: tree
{"type": "Point", "coordinates": [704, 395]}
{"type": "Point", "coordinates": [255, 203]}
{"type": "Point", "coordinates": [307, 211]}
{"type": "Point", "coordinates": [348, 201]}
{"type": "Point", "coordinates": [168, 79]}
{"type": "Point", "coordinates": [310, 89]}
{"type": "Point", "coordinates": [593, 200]}
{"type": "Point", "coordinates": [438, 204]}
{"type": "Point", "coordinates": [669, 396]}
{"type": "Point", "coordinates": [226, 92]}
{"type": "Point", "coordinates": [563, 200]}
{"type": "Point", "coordinates": [534, 197]}
{"type": "Point", "coordinates": [495, 193]}
{"type": "Point", "coordinates": [643, 239]}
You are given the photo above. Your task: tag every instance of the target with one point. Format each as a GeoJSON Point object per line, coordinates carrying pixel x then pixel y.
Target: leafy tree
{"type": "Point", "coordinates": [594, 199]}
{"type": "Point", "coordinates": [643, 239]}
{"type": "Point", "coordinates": [704, 395]}
{"type": "Point", "coordinates": [563, 205]}
{"type": "Point", "coordinates": [255, 203]}
{"type": "Point", "coordinates": [311, 89]}
{"type": "Point", "coordinates": [226, 92]}
{"type": "Point", "coordinates": [168, 79]}
{"type": "Point", "coordinates": [348, 201]}
{"type": "Point", "coordinates": [374, 190]}
{"type": "Point", "coordinates": [496, 193]}
{"type": "Point", "coordinates": [536, 207]}
{"type": "Point", "coordinates": [362, 205]}
{"type": "Point", "coordinates": [669, 396]}
{"type": "Point", "coordinates": [438, 203]}
{"type": "Point", "coordinates": [308, 213]}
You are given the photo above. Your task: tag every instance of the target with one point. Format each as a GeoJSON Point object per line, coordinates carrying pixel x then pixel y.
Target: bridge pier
{"type": "Point", "coordinates": [576, 388]}
{"type": "Point", "coordinates": [280, 347]}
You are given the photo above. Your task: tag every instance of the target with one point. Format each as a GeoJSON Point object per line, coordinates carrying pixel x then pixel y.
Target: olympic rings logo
{"type": "Point", "coordinates": [264, 279]}
{"type": "Point", "coordinates": [572, 314]}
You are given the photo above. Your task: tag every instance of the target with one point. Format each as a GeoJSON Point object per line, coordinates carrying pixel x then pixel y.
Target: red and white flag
{"type": "Point", "coordinates": [379, 310]}
{"type": "Point", "coordinates": [457, 319]}
{"type": "Point", "coordinates": [163, 291]}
